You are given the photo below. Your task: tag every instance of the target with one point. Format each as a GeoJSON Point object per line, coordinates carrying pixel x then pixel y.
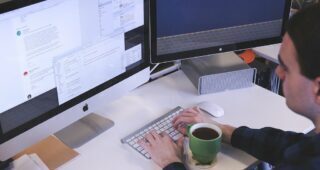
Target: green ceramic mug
{"type": "Point", "coordinates": [204, 142]}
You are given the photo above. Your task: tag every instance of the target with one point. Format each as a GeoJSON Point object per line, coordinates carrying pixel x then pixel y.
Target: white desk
{"type": "Point", "coordinates": [269, 52]}
{"type": "Point", "coordinates": [254, 107]}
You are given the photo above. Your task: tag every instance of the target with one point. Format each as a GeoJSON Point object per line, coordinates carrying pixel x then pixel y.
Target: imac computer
{"type": "Point", "coordinates": [62, 59]}
{"type": "Point", "coordinates": [182, 29]}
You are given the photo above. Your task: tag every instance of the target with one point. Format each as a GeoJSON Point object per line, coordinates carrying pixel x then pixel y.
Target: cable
{"type": "Point", "coordinates": [154, 67]}
{"type": "Point", "coordinates": [165, 71]}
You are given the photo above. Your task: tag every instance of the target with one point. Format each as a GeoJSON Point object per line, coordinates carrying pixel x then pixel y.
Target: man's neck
{"type": "Point", "coordinates": [316, 123]}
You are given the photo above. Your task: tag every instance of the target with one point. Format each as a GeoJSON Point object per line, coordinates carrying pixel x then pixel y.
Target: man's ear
{"type": "Point", "coordinates": [316, 89]}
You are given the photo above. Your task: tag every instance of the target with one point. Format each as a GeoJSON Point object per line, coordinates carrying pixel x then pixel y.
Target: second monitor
{"type": "Point", "coordinates": [182, 29]}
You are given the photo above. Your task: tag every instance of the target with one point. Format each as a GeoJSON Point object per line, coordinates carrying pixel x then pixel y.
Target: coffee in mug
{"type": "Point", "coordinates": [205, 133]}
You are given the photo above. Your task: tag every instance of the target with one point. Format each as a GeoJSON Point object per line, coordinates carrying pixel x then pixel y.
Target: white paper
{"type": "Point", "coordinates": [26, 162]}
{"type": "Point", "coordinates": [38, 161]}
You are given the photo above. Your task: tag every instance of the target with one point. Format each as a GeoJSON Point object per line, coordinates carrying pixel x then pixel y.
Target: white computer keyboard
{"type": "Point", "coordinates": [161, 124]}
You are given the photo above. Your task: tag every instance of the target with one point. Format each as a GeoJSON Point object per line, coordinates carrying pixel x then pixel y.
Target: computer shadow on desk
{"type": "Point", "coordinates": [179, 83]}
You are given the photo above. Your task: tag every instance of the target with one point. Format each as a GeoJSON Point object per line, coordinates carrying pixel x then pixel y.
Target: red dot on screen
{"type": "Point", "coordinates": [25, 73]}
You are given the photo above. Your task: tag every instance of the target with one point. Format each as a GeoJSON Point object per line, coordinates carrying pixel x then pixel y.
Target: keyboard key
{"type": "Point", "coordinates": [135, 145]}
{"type": "Point", "coordinates": [143, 152]}
{"type": "Point", "coordinates": [177, 136]}
{"type": "Point", "coordinates": [147, 156]}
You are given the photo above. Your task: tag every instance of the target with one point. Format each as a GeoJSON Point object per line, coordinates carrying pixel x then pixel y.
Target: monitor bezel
{"type": "Point", "coordinates": [154, 58]}
{"type": "Point", "coordinates": [16, 4]}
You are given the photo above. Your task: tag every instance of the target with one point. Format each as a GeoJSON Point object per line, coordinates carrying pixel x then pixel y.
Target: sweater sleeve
{"type": "Point", "coordinates": [267, 144]}
{"type": "Point", "coordinates": [175, 166]}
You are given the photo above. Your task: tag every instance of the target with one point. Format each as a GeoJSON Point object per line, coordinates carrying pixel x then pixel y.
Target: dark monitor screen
{"type": "Point", "coordinates": [187, 28]}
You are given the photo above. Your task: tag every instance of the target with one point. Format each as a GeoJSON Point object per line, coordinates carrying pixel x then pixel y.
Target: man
{"type": "Point", "coordinates": [299, 70]}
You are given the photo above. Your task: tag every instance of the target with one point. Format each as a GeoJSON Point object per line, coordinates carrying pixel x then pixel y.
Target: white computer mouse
{"type": "Point", "coordinates": [211, 108]}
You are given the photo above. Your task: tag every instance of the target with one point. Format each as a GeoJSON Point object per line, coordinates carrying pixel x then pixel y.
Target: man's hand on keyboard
{"type": "Point", "coordinates": [190, 116]}
{"type": "Point", "coordinates": [195, 115]}
{"type": "Point", "coordinates": [162, 149]}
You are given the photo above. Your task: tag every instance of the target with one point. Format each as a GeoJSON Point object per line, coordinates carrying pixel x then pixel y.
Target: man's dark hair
{"type": "Point", "coordinates": [304, 30]}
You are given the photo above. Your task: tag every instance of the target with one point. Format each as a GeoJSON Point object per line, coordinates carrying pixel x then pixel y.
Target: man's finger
{"type": "Point", "coordinates": [190, 110]}
{"type": "Point", "coordinates": [196, 109]}
{"type": "Point", "coordinates": [155, 135]}
{"type": "Point", "coordinates": [182, 130]}
{"type": "Point", "coordinates": [150, 138]}
{"type": "Point", "coordinates": [144, 144]}
{"type": "Point", "coordinates": [182, 115]}
{"type": "Point", "coordinates": [183, 120]}
{"type": "Point", "coordinates": [165, 135]}
{"type": "Point", "coordinates": [188, 114]}
{"type": "Point", "coordinates": [180, 142]}
{"type": "Point", "coordinates": [179, 117]}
